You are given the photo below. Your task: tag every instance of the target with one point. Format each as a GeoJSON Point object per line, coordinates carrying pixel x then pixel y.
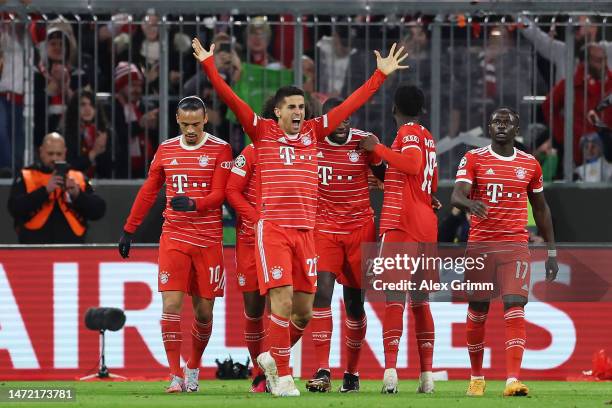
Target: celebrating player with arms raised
{"type": "Point", "coordinates": [493, 184]}
{"type": "Point", "coordinates": [195, 167]}
{"type": "Point", "coordinates": [408, 217]}
{"type": "Point", "coordinates": [345, 220]}
{"type": "Point", "coordinates": [286, 202]}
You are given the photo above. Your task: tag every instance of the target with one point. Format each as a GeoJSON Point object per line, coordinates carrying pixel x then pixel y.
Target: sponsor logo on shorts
{"type": "Point", "coordinates": [353, 156]}
{"type": "Point", "coordinates": [163, 277]}
{"type": "Point", "coordinates": [203, 161]}
{"type": "Point", "coordinates": [241, 280]}
{"type": "Point", "coordinates": [277, 272]}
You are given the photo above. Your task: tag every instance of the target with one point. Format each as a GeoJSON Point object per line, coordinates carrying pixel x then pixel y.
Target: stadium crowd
{"type": "Point", "coordinates": [98, 83]}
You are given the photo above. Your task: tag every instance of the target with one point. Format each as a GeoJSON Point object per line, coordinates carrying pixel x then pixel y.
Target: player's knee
{"type": "Point", "coordinates": [511, 301]}
{"type": "Point", "coordinates": [302, 319]}
{"type": "Point", "coordinates": [482, 307]}
{"type": "Point", "coordinates": [172, 306]}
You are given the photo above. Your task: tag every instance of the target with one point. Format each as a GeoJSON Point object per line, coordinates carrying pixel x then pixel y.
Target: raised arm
{"type": "Point", "coordinates": [384, 67]}
{"type": "Point", "coordinates": [237, 183]}
{"type": "Point", "coordinates": [244, 113]}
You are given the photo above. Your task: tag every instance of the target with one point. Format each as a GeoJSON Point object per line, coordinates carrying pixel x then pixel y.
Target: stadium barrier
{"type": "Point", "coordinates": [45, 292]}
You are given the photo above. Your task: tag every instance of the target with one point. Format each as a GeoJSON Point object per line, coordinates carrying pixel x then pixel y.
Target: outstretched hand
{"type": "Point", "coordinates": [200, 52]}
{"type": "Point", "coordinates": [391, 62]}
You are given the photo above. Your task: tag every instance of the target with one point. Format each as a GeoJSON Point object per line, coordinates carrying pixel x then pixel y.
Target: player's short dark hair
{"type": "Point", "coordinates": [409, 100]}
{"type": "Point", "coordinates": [285, 91]}
{"type": "Point", "coordinates": [191, 103]}
{"type": "Point", "coordinates": [330, 104]}
{"type": "Point", "coordinates": [507, 109]}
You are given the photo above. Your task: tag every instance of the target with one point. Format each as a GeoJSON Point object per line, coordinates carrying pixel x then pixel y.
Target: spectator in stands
{"type": "Point", "coordinates": [135, 124]}
{"type": "Point", "coordinates": [258, 37]}
{"type": "Point", "coordinates": [12, 58]}
{"type": "Point", "coordinates": [587, 84]}
{"type": "Point", "coordinates": [595, 167]}
{"type": "Point", "coordinates": [58, 75]}
{"type": "Point", "coordinates": [50, 205]}
{"type": "Point", "coordinates": [228, 63]}
{"type": "Point", "coordinates": [554, 50]}
{"type": "Point", "coordinates": [334, 53]}
{"type": "Point", "coordinates": [85, 129]}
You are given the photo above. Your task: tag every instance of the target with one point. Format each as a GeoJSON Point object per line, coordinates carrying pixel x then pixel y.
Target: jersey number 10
{"type": "Point", "coordinates": [430, 165]}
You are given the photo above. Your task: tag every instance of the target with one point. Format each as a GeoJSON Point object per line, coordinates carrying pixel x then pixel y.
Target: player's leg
{"type": "Point", "coordinates": [254, 334]}
{"type": "Point", "coordinates": [254, 306]}
{"type": "Point", "coordinates": [329, 266]}
{"type": "Point", "coordinates": [207, 283]}
{"type": "Point", "coordinates": [201, 328]}
{"type": "Point", "coordinates": [275, 277]}
{"type": "Point", "coordinates": [425, 336]}
{"type": "Point", "coordinates": [356, 326]}
{"type": "Point", "coordinates": [173, 282]}
{"type": "Point", "coordinates": [322, 326]}
{"type": "Point", "coordinates": [516, 335]}
{"type": "Point", "coordinates": [515, 276]}
{"type": "Point", "coordinates": [475, 339]}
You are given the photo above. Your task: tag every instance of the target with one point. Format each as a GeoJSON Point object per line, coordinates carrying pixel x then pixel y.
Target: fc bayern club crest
{"type": "Point", "coordinates": [241, 280]}
{"type": "Point", "coordinates": [203, 161]}
{"type": "Point", "coordinates": [353, 156]}
{"type": "Point", "coordinates": [521, 173]}
{"type": "Point", "coordinates": [163, 277]}
{"type": "Point", "coordinates": [277, 272]}
{"type": "Point", "coordinates": [306, 140]}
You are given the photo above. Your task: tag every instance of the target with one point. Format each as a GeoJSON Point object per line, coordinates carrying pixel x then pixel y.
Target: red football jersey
{"type": "Point", "coordinates": [199, 172]}
{"type": "Point", "coordinates": [287, 179]}
{"type": "Point", "coordinates": [407, 199]}
{"type": "Point", "coordinates": [502, 183]}
{"type": "Point", "coordinates": [344, 196]}
{"type": "Point", "coordinates": [242, 193]}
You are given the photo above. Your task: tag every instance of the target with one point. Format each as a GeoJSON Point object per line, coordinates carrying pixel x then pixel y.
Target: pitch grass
{"type": "Point", "coordinates": [234, 394]}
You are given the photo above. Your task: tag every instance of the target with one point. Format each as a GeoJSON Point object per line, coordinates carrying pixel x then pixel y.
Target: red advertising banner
{"type": "Point", "coordinates": [44, 294]}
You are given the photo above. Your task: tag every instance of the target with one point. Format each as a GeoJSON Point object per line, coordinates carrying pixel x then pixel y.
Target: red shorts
{"type": "Point", "coordinates": [195, 270]}
{"type": "Point", "coordinates": [285, 257]}
{"type": "Point", "coordinates": [246, 268]}
{"type": "Point", "coordinates": [508, 269]}
{"type": "Point", "coordinates": [397, 242]}
{"type": "Point", "coordinates": [340, 254]}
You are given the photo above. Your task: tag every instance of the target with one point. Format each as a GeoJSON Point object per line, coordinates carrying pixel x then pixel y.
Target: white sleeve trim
{"type": "Point", "coordinates": [410, 146]}
{"type": "Point", "coordinates": [254, 120]}
{"type": "Point", "coordinates": [538, 190]}
{"type": "Point", "coordinates": [464, 180]}
{"type": "Point", "coordinates": [325, 123]}
{"type": "Point", "coordinates": [238, 171]}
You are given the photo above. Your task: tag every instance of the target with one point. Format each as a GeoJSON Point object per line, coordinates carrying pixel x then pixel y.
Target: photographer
{"type": "Point", "coordinates": [50, 203]}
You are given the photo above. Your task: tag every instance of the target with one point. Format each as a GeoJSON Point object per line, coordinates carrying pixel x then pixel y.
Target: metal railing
{"type": "Point", "coordinates": [467, 65]}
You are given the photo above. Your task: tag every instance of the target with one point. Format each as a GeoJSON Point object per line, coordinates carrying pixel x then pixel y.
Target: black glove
{"type": "Point", "coordinates": [182, 203]}
{"type": "Point", "coordinates": [552, 268]}
{"type": "Point", "coordinates": [124, 244]}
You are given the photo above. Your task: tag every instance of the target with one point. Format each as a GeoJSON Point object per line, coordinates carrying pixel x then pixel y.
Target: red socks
{"type": "Point", "coordinates": [515, 340]}
{"type": "Point", "coordinates": [254, 335]}
{"type": "Point", "coordinates": [322, 328]}
{"type": "Point", "coordinates": [355, 333]}
{"type": "Point", "coordinates": [475, 334]}
{"type": "Point", "coordinates": [425, 333]}
{"type": "Point", "coordinates": [200, 334]}
{"type": "Point", "coordinates": [295, 333]}
{"type": "Point", "coordinates": [392, 332]}
{"type": "Point", "coordinates": [172, 337]}
{"type": "Point", "coordinates": [279, 340]}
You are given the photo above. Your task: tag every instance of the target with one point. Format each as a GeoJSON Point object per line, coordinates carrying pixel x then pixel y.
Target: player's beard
{"type": "Point", "coordinates": [193, 139]}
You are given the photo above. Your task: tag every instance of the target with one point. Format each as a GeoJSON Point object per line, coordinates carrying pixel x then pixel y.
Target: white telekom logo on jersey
{"type": "Point", "coordinates": [325, 174]}
{"type": "Point", "coordinates": [287, 154]}
{"type": "Point", "coordinates": [179, 181]}
{"type": "Point", "coordinates": [494, 191]}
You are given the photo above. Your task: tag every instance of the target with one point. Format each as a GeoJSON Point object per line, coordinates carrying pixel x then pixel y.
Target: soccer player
{"type": "Point", "coordinates": [195, 167]}
{"type": "Point", "coordinates": [345, 220]}
{"type": "Point", "coordinates": [241, 194]}
{"type": "Point", "coordinates": [408, 217]}
{"type": "Point", "coordinates": [493, 183]}
{"type": "Point", "coordinates": [286, 203]}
